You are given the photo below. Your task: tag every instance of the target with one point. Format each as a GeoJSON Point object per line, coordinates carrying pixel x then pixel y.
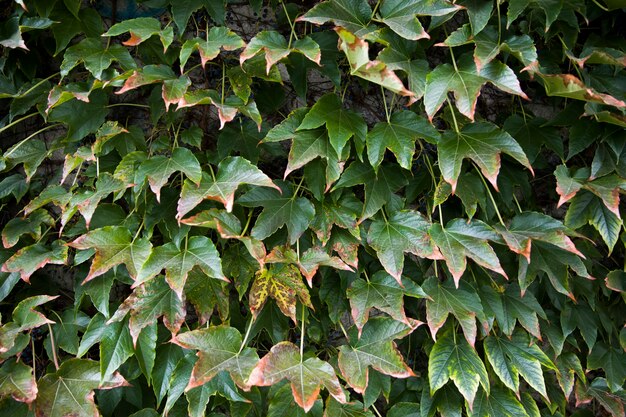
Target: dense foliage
{"type": "Point", "coordinates": [344, 208]}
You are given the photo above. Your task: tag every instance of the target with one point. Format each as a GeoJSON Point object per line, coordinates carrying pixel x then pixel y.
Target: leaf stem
{"type": "Point", "coordinates": [293, 33]}
{"type": "Point", "coordinates": [16, 147]}
{"type": "Point", "coordinates": [245, 338]}
{"type": "Point", "coordinates": [382, 90]}
{"type": "Point", "coordinates": [302, 322]}
{"type": "Point", "coordinates": [343, 330]}
{"type": "Point", "coordinates": [456, 125]}
{"type": "Point", "coordinates": [245, 228]}
{"type": "Point", "coordinates": [376, 410]}
{"type": "Point", "coordinates": [14, 122]}
{"type": "Point", "coordinates": [493, 201]}
{"type": "Point", "coordinates": [143, 106]}
{"type": "Point", "coordinates": [54, 349]}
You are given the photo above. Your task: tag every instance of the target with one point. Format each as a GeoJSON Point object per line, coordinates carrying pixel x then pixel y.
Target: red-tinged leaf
{"type": "Point", "coordinates": [219, 349]}
{"type": "Point", "coordinates": [463, 303]}
{"type": "Point", "coordinates": [384, 293]}
{"type": "Point", "coordinates": [283, 283]}
{"type": "Point", "coordinates": [114, 245]}
{"type": "Point", "coordinates": [376, 348]}
{"type": "Point", "coordinates": [232, 173]}
{"type": "Point", "coordinates": [570, 86]}
{"type": "Point", "coordinates": [217, 38]}
{"type": "Point", "coordinates": [309, 262]}
{"type": "Point", "coordinates": [150, 74]}
{"type": "Point", "coordinates": [608, 188]}
{"type": "Point", "coordinates": [18, 381]}
{"type": "Point", "coordinates": [70, 390]}
{"type": "Point", "coordinates": [25, 317]}
{"type": "Point", "coordinates": [275, 47]}
{"type": "Point", "coordinates": [346, 246]}
{"type": "Point", "coordinates": [147, 303]}
{"type": "Point", "coordinates": [159, 168]}
{"type": "Point", "coordinates": [342, 213]}
{"type": "Point", "coordinates": [173, 91]}
{"type": "Point", "coordinates": [177, 262]}
{"type": "Point", "coordinates": [141, 29]}
{"type": "Point", "coordinates": [32, 258]}
{"type": "Point", "coordinates": [54, 194]}
{"type": "Point", "coordinates": [306, 376]}
{"type": "Point", "coordinates": [483, 143]}
{"type": "Point", "coordinates": [460, 240]}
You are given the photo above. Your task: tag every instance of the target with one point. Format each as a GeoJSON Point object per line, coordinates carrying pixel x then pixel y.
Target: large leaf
{"type": "Point", "coordinates": [159, 168]}
{"type": "Point", "coordinates": [96, 58]}
{"type": "Point", "coordinates": [217, 38]}
{"type": "Point", "coordinates": [31, 225]}
{"type": "Point", "coordinates": [404, 232]}
{"type": "Point", "coordinates": [116, 347]}
{"type": "Point", "coordinates": [114, 245]}
{"type": "Point", "coordinates": [483, 143]}
{"type": "Point", "coordinates": [570, 86]}
{"type": "Point", "coordinates": [376, 348]}
{"type": "Point", "coordinates": [141, 29]}
{"type": "Point", "coordinates": [460, 240]}
{"type": "Point", "coordinates": [275, 47]}
{"type": "Point", "coordinates": [219, 349]}
{"type": "Point", "coordinates": [70, 390]}
{"type": "Point", "coordinates": [25, 317]}
{"type": "Point", "coordinates": [382, 292]}
{"type": "Point", "coordinates": [352, 15]}
{"type": "Point", "coordinates": [453, 358]}
{"type": "Point", "coordinates": [284, 361]}
{"type": "Point", "coordinates": [500, 402]}
{"type": "Point", "coordinates": [232, 173]}
{"type": "Point", "coordinates": [31, 258]}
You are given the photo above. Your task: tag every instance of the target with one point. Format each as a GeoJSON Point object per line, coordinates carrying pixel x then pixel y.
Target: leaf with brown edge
{"type": "Point", "coordinates": [31, 225]}
{"type": "Point", "coordinates": [570, 86]}
{"type": "Point", "coordinates": [141, 29]}
{"type": "Point", "coordinates": [18, 381]}
{"type": "Point", "coordinates": [376, 348]}
{"type": "Point", "coordinates": [70, 390]}
{"type": "Point", "coordinates": [24, 317]}
{"type": "Point", "coordinates": [217, 38]}
{"type": "Point", "coordinates": [608, 188]}
{"type": "Point", "coordinates": [232, 173]}
{"type": "Point", "coordinates": [159, 168]}
{"type": "Point", "coordinates": [357, 52]}
{"type": "Point", "coordinates": [32, 258]}
{"type": "Point", "coordinates": [306, 376]}
{"type": "Point", "coordinates": [114, 245]}
{"type": "Point", "coordinates": [283, 283]}
{"type": "Point", "coordinates": [384, 293]}
{"type": "Point", "coordinates": [483, 143]}
{"type": "Point", "coordinates": [309, 262]}
{"type": "Point", "coordinates": [219, 349]}
{"type": "Point", "coordinates": [275, 47]}
{"type": "Point", "coordinates": [147, 303]}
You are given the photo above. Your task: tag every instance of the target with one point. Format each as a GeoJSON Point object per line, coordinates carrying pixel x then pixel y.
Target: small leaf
{"type": "Point", "coordinates": [32, 258]}
{"type": "Point", "coordinates": [18, 381]}
{"type": "Point", "coordinates": [306, 376]}
{"type": "Point", "coordinates": [159, 168]}
{"type": "Point", "coordinates": [217, 38]}
{"type": "Point", "coordinates": [276, 48]}
{"type": "Point", "coordinates": [141, 29]}
{"type": "Point", "coordinates": [96, 58]}
{"type": "Point", "coordinates": [31, 225]}
{"type": "Point", "coordinates": [500, 402]}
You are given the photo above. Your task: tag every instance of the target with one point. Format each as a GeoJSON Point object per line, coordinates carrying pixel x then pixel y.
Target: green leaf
{"type": "Point", "coordinates": [453, 358]}
{"type": "Point", "coordinates": [384, 293]}
{"type": "Point", "coordinates": [399, 135]}
{"type": "Point", "coordinates": [206, 294]}
{"type": "Point", "coordinates": [483, 143]}
{"type": "Point", "coordinates": [279, 210]}
{"type": "Point", "coordinates": [159, 168]}
{"type": "Point", "coordinates": [500, 402]}
{"type": "Point", "coordinates": [32, 258]}
{"type": "Point", "coordinates": [24, 318]}
{"type": "Point", "coordinates": [460, 240]}
{"type": "Point", "coordinates": [342, 213]}
{"type": "Point", "coordinates": [232, 173]}
{"type": "Point", "coordinates": [352, 15]}
{"type": "Point", "coordinates": [147, 303]}
{"type": "Point", "coordinates": [405, 231]}
{"type": "Point", "coordinates": [376, 348]}
{"type": "Point", "coordinates": [31, 225]}
{"type": "Point", "coordinates": [351, 409]}
{"type": "Point", "coordinates": [399, 15]}
{"type": "Point", "coordinates": [140, 30]}
{"type": "Point", "coordinates": [69, 390]}
{"type": "Point", "coordinates": [114, 245]}
{"type": "Point", "coordinates": [177, 262]}
{"type": "Point", "coordinates": [81, 118]}
{"type": "Point", "coordinates": [198, 397]}
{"type": "Point", "coordinates": [219, 349]}
{"type": "Point", "coordinates": [275, 47]}
{"type": "Point", "coordinates": [96, 57]}
{"type": "Point", "coordinates": [570, 86]}
{"type": "Point", "coordinates": [531, 134]}
{"type": "Point", "coordinates": [116, 347]}
{"type": "Point", "coordinates": [306, 376]}
{"type": "Point", "coordinates": [598, 390]}
{"type": "Point", "coordinates": [463, 303]}
{"type": "Point", "coordinates": [18, 381]}
{"type": "Point", "coordinates": [29, 153]}
{"type": "Point", "coordinates": [341, 124]}
{"type": "Point", "coordinates": [145, 350]}
{"type": "Point", "coordinates": [217, 38]}
{"type": "Point", "coordinates": [307, 145]}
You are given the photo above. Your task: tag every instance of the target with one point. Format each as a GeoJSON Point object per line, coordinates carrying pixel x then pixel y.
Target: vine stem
{"type": "Point", "coordinates": [493, 200]}
{"type": "Point", "coordinates": [54, 349]}
{"type": "Point", "coordinates": [302, 337]}
{"type": "Point", "coordinates": [292, 25]}
{"type": "Point", "coordinates": [245, 338]}
{"type": "Point", "coordinates": [14, 122]}
{"type": "Point", "coordinates": [382, 90]}
{"type": "Point", "coordinates": [16, 147]}
{"type": "Point", "coordinates": [456, 125]}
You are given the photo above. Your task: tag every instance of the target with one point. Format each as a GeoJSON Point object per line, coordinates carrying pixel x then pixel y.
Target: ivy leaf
{"type": "Point", "coordinates": [217, 38]}
{"type": "Point", "coordinates": [206, 294]}
{"type": "Point", "coordinates": [357, 52]}
{"type": "Point", "coordinates": [499, 402]}
{"type": "Point", "coordinates": [570, 86]}
{"type": "Point", "coordinates": [531, 134]}
{"type": "Point", "coordinates": [31, 225]}
{"type": "Point", "coordinates": [354, 16]}
{"type": "Point", "coordinates": [483, 143]}
{"type": "Point", "coordinates": [399, 15]}
{"type": "Point", "coordinates": [276, 48]}
{"type": "Point", "coordinates": [279, 210]}
{"type": "Point", "coordinates": [147, 303]}
{"type": "Point", "coordinates": [159, 168]}
{"type": "Point", "coordinates": [399, 135]}
{"type": "Point", "coordinates": [25, 317]}
{"type": "Point", "coordinates": [114, 245]}
{"type": "Point", "coordinates": [69, 390]}
{"type": "Point", "coordinates": [349, 409]}
{"type": "Point", "coordinates": [140, 30]}
{"type": "Point", "coordinates": [31, 258]}
{"type": "Point", "coordinates": [95, 57]}
{"type": "Point", "coordinates": [182, 10]}
{"type": "Point", "coordinates": [453, 358]}
{"type": "Point", "coordinates": [18, 381]}
{"type": "Point", "coordinates": [283, 283]}
{"type": "Point", "coordinates": [405, 231]}
{"type": "Point", "coordinates": [460, 240]}
{"type": "Point", "coordinates": [607, 188]}
{"type": "Point", "coordinates": [341, 124]}
{"type": "Point", "coordinates": [232, 173]}
{"type": "Point", "coordinates": [517, 356]}
{"type": "Point", "coordinates": [376, 348]}
{"type": "Point", "coordinates": [509, 306]}
{"type": "Point", "coordinates": [306, 376]}
{"type": "Point", "coordinates": [529, 226]}
{"type": "Point", "coordinates": [116, 347]}
{"type": "Point", "coordinates": [281, 403]}
{"type": "Point", "coordinates": [341, 213]}
{"type": "Point", "coordinates": [308, 262]}
{"type": "Point", "coordinates": [177, 262]}
{"type": "Point", "coordinates": [462, 302]}
{"type": "Point", "coordinates": [599, 391]}
{"type": "Point", "coordinates": [384, 293]}
{"type": "Point", "coordinates": [611, 360]}
{"type": "Point", "coordinates": [219, 349]}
